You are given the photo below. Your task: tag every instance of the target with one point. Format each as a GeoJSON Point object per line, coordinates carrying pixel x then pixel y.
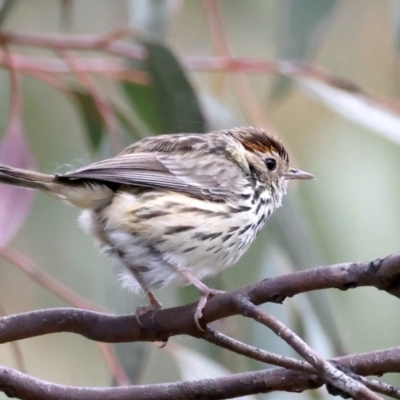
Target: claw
{"type": "Point", "coordinates": [154, 306]}
{"type": "Point", "coordinates": [206, 293]}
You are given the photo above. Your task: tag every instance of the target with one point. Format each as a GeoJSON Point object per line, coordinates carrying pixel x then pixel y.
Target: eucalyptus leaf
{"type": "Point", "coordinates": [91, 118]}
{"type": "Point", "coordinates": [141, 99]}
{"type": "Point", "coordinates": [169, 104]}
{"type": "Point", "coordinates": [5, 8]}
{"type": "Point", "coordinates": [175, 99]}
{"type": "Point", "coordinates": [356, 107]}
{"type": "Point", "coordinates": [128, 126]}
{"type": "Point", "coordinates": [67, 10]}
{"type": "Point", "coordinates": [396, 23]}
{"type": "Point", "coordinates": [302, 28]}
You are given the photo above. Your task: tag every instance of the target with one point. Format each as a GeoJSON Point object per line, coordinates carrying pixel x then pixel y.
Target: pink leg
{"type": "Point", "coordinates": [154, 303]}
{"type": "Point", "coordinates": [205, 292]}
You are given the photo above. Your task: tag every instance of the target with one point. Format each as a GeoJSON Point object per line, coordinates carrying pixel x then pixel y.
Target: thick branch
{"type": "Point", "coordinates": [382, 274]}
{"type": "Point", "coordinates": [14, 383]}
{"type": "Point", "coordinates": [160, 325]}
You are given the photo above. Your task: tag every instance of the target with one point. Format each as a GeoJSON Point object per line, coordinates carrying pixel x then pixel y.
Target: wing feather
{"type": "Point", "coordinates": [197, 172]}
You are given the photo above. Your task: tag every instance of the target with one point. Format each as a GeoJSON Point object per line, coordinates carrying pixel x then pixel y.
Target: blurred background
{"type": "Point", "coordinates": [81, 79]}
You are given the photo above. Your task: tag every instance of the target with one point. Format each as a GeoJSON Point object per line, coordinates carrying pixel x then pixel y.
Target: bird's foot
{"type": "Point", "coordinates": [155, 305]}
{"type": "Point", "coordinates": [206, 293]}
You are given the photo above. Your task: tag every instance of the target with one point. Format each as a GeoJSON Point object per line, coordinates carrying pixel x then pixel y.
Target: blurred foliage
{"type": "Point", "coordinates": [91, 118]}
{"type": "Point", "coordinates": [301, 27]}
{"type": "Point", "coordinates": [168, 104]}
{"type": "Point", "coordinates": [347, 137]}
{"type": "Point", "coordinates": [5, 8]}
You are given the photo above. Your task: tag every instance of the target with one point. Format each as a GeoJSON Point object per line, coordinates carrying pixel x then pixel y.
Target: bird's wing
{"type": "Point", "coordinates": [196, 172]}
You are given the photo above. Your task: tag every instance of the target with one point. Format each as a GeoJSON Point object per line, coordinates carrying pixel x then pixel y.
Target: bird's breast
{"type": "Point", "coordinates": [158, 229]}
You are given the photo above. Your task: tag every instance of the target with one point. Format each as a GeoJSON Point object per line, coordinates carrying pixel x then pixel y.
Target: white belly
{"type": "Point", "coordinates": [157, 242]}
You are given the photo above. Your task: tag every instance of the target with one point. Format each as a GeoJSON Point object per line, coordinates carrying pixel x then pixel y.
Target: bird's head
{"type": "Point", "coordinates": [268, 159]}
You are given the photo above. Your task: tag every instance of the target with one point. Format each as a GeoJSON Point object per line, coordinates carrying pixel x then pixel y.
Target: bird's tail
{"type": "Point", "coordinates": [25, 178]}
{"type": "Point", "coordinates": [83, 194]}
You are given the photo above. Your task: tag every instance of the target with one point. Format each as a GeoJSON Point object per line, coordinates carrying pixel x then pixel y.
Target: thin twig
{"type": "Point", "coordinates": [221, 340]}
{"type": "Point", "coordinates": [102, 66]}
{"type": "Point", "coordinates": [106, 42]}
{"type": "Point", "coordinates": [381, 387]}
{"type": "Point", "coordinates": [328, 372]}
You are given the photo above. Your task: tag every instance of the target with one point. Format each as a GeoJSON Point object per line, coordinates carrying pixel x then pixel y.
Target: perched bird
{"type": "Point", "coordinates": [174, 209]}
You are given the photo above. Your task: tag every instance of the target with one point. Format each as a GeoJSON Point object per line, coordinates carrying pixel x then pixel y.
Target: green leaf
{"type": "Point", "coordinates": [169, 104]}
{"type": "Point", "coordinates": [142, 101]}
{"type": "Point", "coordinates": [5, 8]}
{"type": "Point", "coordinates": [67, 10]}
{"type": "Point", "coordinates": [396, 23]}
{"type": "Point", "coordinates": [302, 28]}
{"type": "Point", "coordinates": [128, 126]}
{"type": "Point", "coordinates": [176, 102]}
{"type": "Point", "coordinates": [91, 118]}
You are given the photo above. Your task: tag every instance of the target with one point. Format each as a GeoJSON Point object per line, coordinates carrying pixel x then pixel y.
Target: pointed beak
{"type": "Point", "coordinates": [297, 174]}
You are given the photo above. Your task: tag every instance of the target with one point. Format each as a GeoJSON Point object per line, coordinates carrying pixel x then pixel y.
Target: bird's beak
{"type": "Point", "coordinates": [297, 174]}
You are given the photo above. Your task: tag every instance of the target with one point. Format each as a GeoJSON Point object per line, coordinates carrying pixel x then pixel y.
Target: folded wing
{"type": "Point", "coordinates": [197, 173]}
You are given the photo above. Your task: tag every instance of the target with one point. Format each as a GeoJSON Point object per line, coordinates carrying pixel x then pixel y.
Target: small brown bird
{"type": "Point", "coordinates": [174, 209]}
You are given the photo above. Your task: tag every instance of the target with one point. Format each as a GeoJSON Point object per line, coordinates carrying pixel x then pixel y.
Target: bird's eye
{"type": "Point", "coordinates": [270, 164]}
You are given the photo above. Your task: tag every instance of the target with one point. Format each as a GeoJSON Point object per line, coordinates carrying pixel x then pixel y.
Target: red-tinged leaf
{"type": "Point", "coordinates": [14, 202]}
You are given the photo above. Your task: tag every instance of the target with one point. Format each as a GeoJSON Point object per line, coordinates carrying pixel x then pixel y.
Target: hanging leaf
{"type": "Point", "coordinates": [5, 8]}
{"type": "Point", "coordinates": [142, 100]}
{"type": "Point", "coordinates": [396, 23]}
{"type": "Point", "coordinates": [91, 118]}
{"type": "Point", "coordinates": [356, 107]}
{"type": "Point", "coordinates": [128, 126]}
{"type": "Point", "coordinates": [302, 28]}
{"type": "Point", "coordinates": [15, 202]}
{"type": "Point", "coordinates": [169, 104]}
{"type": "Point", "coordinates": [67, 9]}
{"type": "Point", "coordinates": [175, 99]}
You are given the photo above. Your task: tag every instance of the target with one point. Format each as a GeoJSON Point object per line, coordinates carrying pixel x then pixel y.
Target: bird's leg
{"type": "Point", "coordinates": [154, 303]}
{"type": "Point", "coordinates": [205, 293]}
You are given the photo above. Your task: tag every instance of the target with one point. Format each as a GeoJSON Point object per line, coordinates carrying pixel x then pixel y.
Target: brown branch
{"type": "Point", "coordinates": [381, 274]}
{"type": "Point", "coordinates": [327, 371]}
{"type": "Point", "coordinates": [289, 68]}
{"type": "Point", "coordinates": [16, 384]}
{"type": "Point", "coordinates": [381, 387]}
{"type": "Point", "coordinates": [77, 42]}
{"type": "Point", "coordinates": [110, 43]}
{"type": "Point", "coordinates": [160, 325]}
{"type": "Point", "coordinates": [110, 68]}
{"type": "Point", "coordinates": [15, 348]}
{"type": "Point", "coordinates": [225, 63]}
{"type": "Point", "coordinates": [221, 340]}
